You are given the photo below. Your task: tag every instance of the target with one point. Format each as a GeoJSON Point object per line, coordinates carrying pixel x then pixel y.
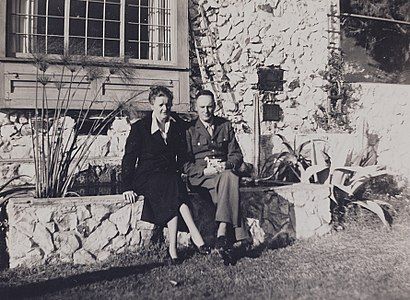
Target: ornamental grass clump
{"type": "Point", "coordinates": [62, 137]}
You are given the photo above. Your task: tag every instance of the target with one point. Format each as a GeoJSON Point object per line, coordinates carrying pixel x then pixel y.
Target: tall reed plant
{"type": "Point", "coordinates": [61, 143]}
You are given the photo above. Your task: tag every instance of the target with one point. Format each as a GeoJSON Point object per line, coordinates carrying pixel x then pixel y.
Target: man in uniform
{"type": "Point", "coordinates": [213, 157]}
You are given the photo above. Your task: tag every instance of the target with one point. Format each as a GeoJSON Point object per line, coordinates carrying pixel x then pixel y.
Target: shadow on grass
{"type": "Point", "coordinates": [281, 240]}
{"type": "Point", "coordinates": [37, 289]}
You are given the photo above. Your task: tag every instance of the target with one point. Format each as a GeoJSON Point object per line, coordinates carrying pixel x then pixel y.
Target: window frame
{"type": "Point", "coordinates": [178, 35]}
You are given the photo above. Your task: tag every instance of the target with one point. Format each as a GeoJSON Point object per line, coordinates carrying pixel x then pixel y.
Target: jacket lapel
{"type": "Point", "coordinates": [200, 127]}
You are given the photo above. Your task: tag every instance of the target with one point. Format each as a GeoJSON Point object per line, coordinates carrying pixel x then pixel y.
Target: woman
{"type": "Point", "coordinates": [157, 144]}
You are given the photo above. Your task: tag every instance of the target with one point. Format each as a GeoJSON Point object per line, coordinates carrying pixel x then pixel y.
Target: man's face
{"type": "Point", "coordinates": [205, 106]}
{"type": "Point", "coordinates": [161, 108]}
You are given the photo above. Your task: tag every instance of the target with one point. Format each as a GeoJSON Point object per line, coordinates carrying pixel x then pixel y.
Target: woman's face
{"type": "Point", "coordinates": [161, 108]}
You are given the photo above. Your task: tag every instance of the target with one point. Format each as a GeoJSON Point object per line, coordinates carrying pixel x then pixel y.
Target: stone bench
{"type": "Point", "coordinates": [84, 230]}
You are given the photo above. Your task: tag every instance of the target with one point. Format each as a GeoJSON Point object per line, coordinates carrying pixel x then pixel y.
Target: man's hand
{"type": "Point", "coordinates": [130, 196]}
{"type": "Point", "coordinates": [209, 171]}
{"type": "Point", "coordinates": [220, 166]}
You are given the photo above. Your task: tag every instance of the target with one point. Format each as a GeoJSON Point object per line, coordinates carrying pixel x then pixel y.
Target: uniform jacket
{"type": "Point", "coordinates": [151, 153]}
{"type": "Point", "coordinates": [222, 144]}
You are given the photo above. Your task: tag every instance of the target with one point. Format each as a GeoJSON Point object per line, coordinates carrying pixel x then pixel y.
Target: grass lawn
{"type": "Point", "coordinates": [364, 261]}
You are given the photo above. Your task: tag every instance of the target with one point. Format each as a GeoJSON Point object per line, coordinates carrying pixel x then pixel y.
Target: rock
{"type": "Point", "coordinates": [82, 257]}
{"type": "Point", "coordinates": [82, 213]}
{"type": "Point", "coordinates": [4, 120]}
{"type": "Point", "coordinates": [44, 214]}
{"type": "Point", "coordinates": [103, 255]}
{"type": "Point", "coordinates": [224, 31]}
{"type": "Point", "coordinates": [120, 125]}
{"type": "Point", "coordinates": [117, 243]}
{"type": "Point", "coordinates": [43, 238]}
{"type": "Point", "coordinates": [67, 242]}
{"type": "Point", "coordinates": [34, 257]}
{"type": "Point", "coordinates": [18, 244]}
{"type": "Point", "coordinates": [25, 130]}
{"type": "Point", "coordinates": [251, 78]}
{"type": "Point", "coordinates": [100, 237]}
{"type": "Point", "coordinates": [7, 131]}
{"type": "Point", "coordinates": [121, 219]}
{"type": "Point", "coordinates": [136, 210]}
{"type": "Point", "coordinates": [67, 221]}
{"type": "Point", "coordinates": [99, 212]}
{"type": "Point", "coordinates": [225, 51]}
{"type": "Point", "coordinates": [134, 238]}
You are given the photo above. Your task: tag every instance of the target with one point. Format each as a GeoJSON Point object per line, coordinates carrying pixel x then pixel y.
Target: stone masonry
{"type": "Point", "coordinates": [84, 230]}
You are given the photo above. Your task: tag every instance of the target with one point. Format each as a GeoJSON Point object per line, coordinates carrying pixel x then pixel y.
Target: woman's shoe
{"type": "Point", "coordinates": [173, 261]}
{"type": "Point", "coordinates": [203, 250]}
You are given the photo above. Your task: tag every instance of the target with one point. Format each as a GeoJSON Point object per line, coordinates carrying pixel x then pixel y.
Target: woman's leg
{"type": "Point", "coordinates": [189, 221]}
{"type": "Point", "coordinates": [172, 231]}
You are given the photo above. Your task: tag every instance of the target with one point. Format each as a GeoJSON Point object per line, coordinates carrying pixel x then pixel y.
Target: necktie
{"type": "Point", "coordinates": [210, 129]}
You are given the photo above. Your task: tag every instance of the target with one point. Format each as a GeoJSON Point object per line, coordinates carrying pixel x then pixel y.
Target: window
{"type": "Point", "coordinates": [139, 29]}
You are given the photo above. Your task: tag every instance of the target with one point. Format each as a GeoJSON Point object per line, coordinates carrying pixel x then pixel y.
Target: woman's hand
{"type": "Point", "coordinates": [130, 196]}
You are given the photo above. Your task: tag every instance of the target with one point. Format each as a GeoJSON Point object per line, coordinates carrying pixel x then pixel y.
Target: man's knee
{"type": "Point", "coordinates": [229, 174]}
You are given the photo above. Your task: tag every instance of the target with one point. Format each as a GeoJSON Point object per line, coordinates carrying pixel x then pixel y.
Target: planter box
{"type": "Point", "coordinates": [83, 230]}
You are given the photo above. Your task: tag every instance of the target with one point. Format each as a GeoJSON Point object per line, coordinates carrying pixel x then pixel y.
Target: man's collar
{"type": "Point", "coordinates": [207, 124]}
{"type": "Point", "coordinates": [154, 124]}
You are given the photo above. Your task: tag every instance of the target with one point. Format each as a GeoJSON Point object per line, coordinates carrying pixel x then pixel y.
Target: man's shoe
{"type": "Point", "coordinates": [222, 243]}
{"type": "Point", "coordinates": [203, 250]}
{"type": "Point", "coordinates": [170, 261]}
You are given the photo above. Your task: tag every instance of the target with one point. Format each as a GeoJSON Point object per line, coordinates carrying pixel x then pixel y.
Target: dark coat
{"type": "Point", "coordinates": [157, 174]}
{"type": "Point", "coordinates": [222, 145]}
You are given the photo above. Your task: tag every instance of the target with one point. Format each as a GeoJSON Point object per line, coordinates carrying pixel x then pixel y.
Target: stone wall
{"type": "Point", "coordinates": [84, 230]}
{"type": "Point", "coordinates": [285, 33]}
{"type": "Point", "coordinates": [16, 151]}
{"type": "Point", "coordinates": [385, 111]}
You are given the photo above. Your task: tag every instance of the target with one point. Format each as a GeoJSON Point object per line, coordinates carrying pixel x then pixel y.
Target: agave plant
{"type": "Point", "coordinates": [347, 182]}
{"type": "Point", "coordinates": [290, 165]}
{"type": "Point", "coordinates": [61, 141]}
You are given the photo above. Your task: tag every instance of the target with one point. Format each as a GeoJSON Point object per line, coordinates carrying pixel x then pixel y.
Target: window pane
{"type": "Point", "coordinates": [77, 27]}
{"type": "Point", "coordinates": [95, 10]}
{"type": "Point", "coordinates": [38, 44]}
{"type": "Point", "coordinates": [144, 51]}
{"type": "Point", "coordinates": [55, 45]}
{"type": "Point", "coordinates": [55, 26]}
{"type": "Point", "coordinates": [77, 46]}
{"type": "Point", "coordinates": [41, 25]}
{"type": "Point", "coordinates": [112, 30]}
{"type": "Point", "coordinates": [77, 8]}
{"type": "Point", "coordinates": [132, 50]}
{"type": "Point", "coordinates": [94, 47]}
{"type": "Point", "coordinates": [144, 33]}
{"type": "Point", "coordinates": [41, 8]}
{"type": "Point", "coordinates": [112, 12]}
{"type": "Point", "coordinates": [56, 8]}
{"type": "Point", "coordinates": [132, 14]}
{"type": "Point", "coordinates": [112, 48]}
{"type": "Point", "coordinates": [95, 28]}
{"type": "Point", "coordinates": [131, 32]}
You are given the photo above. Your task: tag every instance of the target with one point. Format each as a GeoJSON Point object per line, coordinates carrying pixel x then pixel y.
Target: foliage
{"type": "Point", "coordinates": [61, 144]}
{"type": "Point", "coordinates": [334, 114]}
{"type": "Point", "coordinates": [289, 165]}
{"type": "Point", "coordinates": [387, 43]}
{"type": "Point", "coordinates": [347, 183]}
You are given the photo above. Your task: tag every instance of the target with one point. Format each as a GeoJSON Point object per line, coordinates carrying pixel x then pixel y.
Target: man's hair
{"type": "Point", "coordinates": [157, 91]}
{"type": "Point", "coordinates": [206, 93]}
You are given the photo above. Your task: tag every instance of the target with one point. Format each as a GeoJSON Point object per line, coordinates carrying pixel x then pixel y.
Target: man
{"type": "Point", "coordinates": [213, 153]}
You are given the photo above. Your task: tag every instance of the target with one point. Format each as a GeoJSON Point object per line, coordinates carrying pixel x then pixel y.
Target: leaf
{"type": "Point", "coordinates": [373, 207]}
{"type": "Point", "coordinates": [287, 144]}
{"type": "Point", "coordinates": [308, 142]}
{"type": "Point", "coordinates": [310, 171]}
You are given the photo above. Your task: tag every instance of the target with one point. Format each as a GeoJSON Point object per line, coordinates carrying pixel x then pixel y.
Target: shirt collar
{"type": "Point", "coordinates": [206, 125]}
{"type": "Point", "coordinates": [155, 127]}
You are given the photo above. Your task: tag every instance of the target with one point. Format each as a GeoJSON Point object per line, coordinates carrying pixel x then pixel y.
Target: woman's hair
{"type": "Point", "coordinates": [205, 93]}
{"type": "Point", "coordinates": [159, 90]}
